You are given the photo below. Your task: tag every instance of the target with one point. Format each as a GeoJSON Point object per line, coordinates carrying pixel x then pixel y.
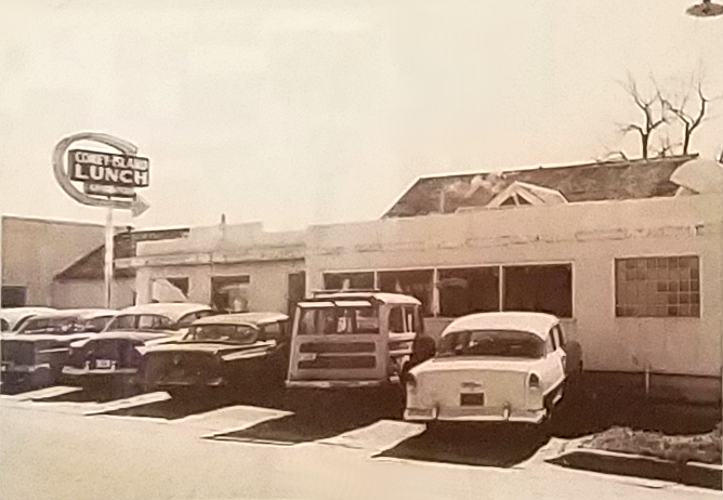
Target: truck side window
{"type": "Point", "coordinates": [410, 316]}
{"type": "Point", "coordinates": [396, 320]}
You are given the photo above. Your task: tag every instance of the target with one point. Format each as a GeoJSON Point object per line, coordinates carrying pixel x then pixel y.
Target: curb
{"type": "Point", "coordinates": [625, 464]}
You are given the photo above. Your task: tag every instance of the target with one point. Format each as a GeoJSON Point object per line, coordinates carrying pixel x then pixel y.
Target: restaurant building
{"type": "Point", "coordinates": [627, 253]}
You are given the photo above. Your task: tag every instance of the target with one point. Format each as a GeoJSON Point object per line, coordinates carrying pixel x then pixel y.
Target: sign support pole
{"type": "Point", "coordinates": [108, 261]}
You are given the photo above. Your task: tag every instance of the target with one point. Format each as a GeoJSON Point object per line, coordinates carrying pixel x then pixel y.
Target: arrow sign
{"type": "Point", "coordinates": [139, 206]}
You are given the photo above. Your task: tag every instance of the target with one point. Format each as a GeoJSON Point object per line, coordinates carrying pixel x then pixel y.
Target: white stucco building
{"type": "Point", "coordinates": [628, 253]}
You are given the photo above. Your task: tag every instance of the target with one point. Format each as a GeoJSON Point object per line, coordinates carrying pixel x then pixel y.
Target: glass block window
{"type": "Point", "coordinates": [657, 287]}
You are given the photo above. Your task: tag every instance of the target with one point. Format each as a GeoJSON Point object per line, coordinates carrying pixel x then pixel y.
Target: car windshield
{"type": "Point", "coordinates": [339, 320]}
{"type": "Point", "coordinates": [95, 324]}
{"type": "Point", "coordinates": [140, 322]}
{"type": "Point", "coordinates": [234, 334]}
{"type": "Point", "coordinates": [503, 343]}
{"type": "Point", "coordinates": [62, 325]}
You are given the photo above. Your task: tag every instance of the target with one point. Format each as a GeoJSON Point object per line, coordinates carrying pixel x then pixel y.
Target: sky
{"type": "Point", "coordinates": [313, 112]}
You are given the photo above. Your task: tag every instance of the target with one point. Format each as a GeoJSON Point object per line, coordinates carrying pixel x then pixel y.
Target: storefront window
{"type": "Point", "coordinates": [417, 283]}
{"type": "Point", "coordinates": [468, 290]}
{"type": "Point", "coordinates": [540, 288]}
{"type": "Point", "coordinates": [354, 281]}
{"type": "Point", "coordinates": [230, 294]}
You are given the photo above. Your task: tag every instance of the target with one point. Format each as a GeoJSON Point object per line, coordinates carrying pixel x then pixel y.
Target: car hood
{"type": "Point", "coordinates": [468, 363]}
{"type": "Point", "coordinates": [132, 335]}
{"type": "Point", "coordinates": [43, 337]}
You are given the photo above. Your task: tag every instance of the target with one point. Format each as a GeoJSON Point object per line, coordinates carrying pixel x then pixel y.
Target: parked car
{"type": "Point", "coordinates": [231, 351]}
{"type": "Point", "coordinates": [352, 339]}
{"type": "Point", "coordinates": [37, 352]}
{"type": "Point", "coordinates": [13, 318]}
{"type": "Point", "coordinates": [506, 366]}
{"type": "Point", "coordinates": [113, 357]}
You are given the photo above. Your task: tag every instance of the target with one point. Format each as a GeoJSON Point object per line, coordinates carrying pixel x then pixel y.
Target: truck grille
{"type": "Point", "coordinates": [335, 362]}
{"type": "Point", "coordinates": [18, 351]}
{"type": "Point", "coordinates": [178, 367]}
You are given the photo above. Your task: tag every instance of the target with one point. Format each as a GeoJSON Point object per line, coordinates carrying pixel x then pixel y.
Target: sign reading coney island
{"type": "Point", "coordinates": [110, 169]}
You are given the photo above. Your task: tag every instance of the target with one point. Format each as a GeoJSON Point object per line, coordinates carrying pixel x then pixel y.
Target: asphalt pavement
{"type": "Point", "coordinates": [64, 443]}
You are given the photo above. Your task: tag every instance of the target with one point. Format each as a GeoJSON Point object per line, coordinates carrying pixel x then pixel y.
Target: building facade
{"type": "Point", "coordinates": [628, 254]}
{"type": "Point", "coordinates": [35, 250]}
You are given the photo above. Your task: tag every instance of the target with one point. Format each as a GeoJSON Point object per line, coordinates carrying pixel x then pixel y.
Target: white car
{"type": "Point", "coordinates": [506, 366]}
{"type": "Point", "coordinates": [13, 318]}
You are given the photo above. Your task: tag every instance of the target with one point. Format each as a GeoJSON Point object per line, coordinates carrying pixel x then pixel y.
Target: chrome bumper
{"type": "Point", "coordinates": [459, 414]}
{"type": "Point", "coordinates": [334, 384]}
{"type": "Point", "coordinates": [79, 372]}
{"type": "Point", "coordinates": [5, 368]}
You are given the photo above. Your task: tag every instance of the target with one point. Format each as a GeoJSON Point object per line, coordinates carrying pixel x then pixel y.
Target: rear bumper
{"type": "Point", "coordinates": [88, 376]}
{"type": "Point", "coordinates": [4, 368]}
{"type": "Point", "coordinates": [335, 384]}
{"type": "Point", "coordinates": [181, 384]}
{"type": "Point", "coordinates": [26, 374]}
{"type": "Point", "coordinates": [492, 414]}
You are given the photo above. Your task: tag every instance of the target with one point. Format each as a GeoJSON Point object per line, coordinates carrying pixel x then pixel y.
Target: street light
{"type": "Point", "coordinates": [705, 9]}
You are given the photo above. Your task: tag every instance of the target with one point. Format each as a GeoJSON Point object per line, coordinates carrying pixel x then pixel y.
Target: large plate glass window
{"type": "Point", "coordinates": [230, 294]}
{"type": "Point", "coordinates": [468, 290]}
{"type": "Point", "coordinates": [541, 288]}
{"type": "Point", "coordinates": [417, 283]}
{"type": "Point", "coordinates": [353, 280]}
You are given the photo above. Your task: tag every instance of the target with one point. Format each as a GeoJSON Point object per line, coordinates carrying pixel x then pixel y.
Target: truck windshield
{"type": "Point", "coordinates": [339, 320]}
{"type": "Point", "coordinates": [503, 343]}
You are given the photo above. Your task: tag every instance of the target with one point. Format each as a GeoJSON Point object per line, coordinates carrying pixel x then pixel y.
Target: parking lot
{"type": "Point", "coordinates": [298, 447]}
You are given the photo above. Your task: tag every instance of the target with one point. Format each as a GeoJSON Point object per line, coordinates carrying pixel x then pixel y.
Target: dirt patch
{"type": "Point", "coordinates": [702, 448]}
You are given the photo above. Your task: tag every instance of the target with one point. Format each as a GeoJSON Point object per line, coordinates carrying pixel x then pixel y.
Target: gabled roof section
{"type": "Point", "coordinates": [523, 193]}
{"type": "Point", "coordinates": [90, 266]}
{"type": "Point", "coordinates": [597, 181]}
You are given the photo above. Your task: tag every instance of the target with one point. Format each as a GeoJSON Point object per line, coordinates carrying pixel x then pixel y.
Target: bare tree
{"type": "Point", "coordinates": [691, 121]}
{"type": "Point", "coordinates": [666, 147]}
{"type": "Point", "coordinates": [652, 118]}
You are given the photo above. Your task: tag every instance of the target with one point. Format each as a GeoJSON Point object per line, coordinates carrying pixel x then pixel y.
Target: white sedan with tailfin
{"type": "Point", "coordinates": [506, 366]}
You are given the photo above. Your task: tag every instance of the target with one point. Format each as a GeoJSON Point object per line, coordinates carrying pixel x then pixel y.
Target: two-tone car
{"type": "Point", "coordinates": [13, 318]}
{"type": "Point", "coordinates": [35, 355]}
{"type": "Point", "coordinates": [221, 353]}
{"type": "Point", "coordinates": [504, 367]}
{"type": "Point", "coordinates": [112, 358]}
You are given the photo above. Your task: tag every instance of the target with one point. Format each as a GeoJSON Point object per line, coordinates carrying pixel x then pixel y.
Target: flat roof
{"type": "Point", "coordinates": [383, 297]}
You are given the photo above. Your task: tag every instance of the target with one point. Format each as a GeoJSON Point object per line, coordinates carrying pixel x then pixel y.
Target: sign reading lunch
{"type": "Point", "coordinates": [108, 168]}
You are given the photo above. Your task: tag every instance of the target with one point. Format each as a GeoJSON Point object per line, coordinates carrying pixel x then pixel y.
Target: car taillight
{"type": "Point", "coordinates": [534, 381]}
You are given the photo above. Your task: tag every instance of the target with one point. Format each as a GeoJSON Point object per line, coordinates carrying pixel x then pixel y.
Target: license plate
{"type": "Point", "coordinates": [103, 363]}
{"type": "Point", "coordinates": [475, 399]}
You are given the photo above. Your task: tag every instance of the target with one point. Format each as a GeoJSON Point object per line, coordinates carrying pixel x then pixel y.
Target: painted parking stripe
{"type": "Point", "coordinates": [233, 419]}
{"type": "Point", "coordinates": [44, 393]}
{"type": "Point", "coordinates": [376, 437]}
{"type": "Point", "coordinates": [130, 402]}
